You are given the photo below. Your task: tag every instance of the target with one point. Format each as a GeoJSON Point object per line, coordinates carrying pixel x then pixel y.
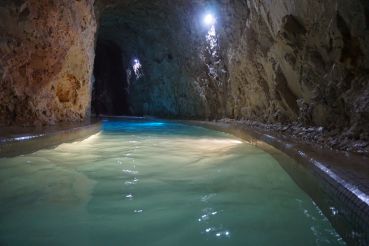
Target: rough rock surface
{"type": "Point", "coordinates": [300, 63]}
{"type": "Point", "coordinates": [47, 54]}
{"type": "Point", "coordinates": [292, 63]}
{"type": "Point", "coordinates": [156, 33]}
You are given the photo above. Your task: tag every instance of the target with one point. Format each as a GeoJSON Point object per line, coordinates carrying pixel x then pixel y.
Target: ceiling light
{"type": "Point", "coordinates": [209, 20]}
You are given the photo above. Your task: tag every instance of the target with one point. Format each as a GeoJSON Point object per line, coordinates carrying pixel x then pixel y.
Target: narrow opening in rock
{"type": "Point", "coordinates": [110, 89]}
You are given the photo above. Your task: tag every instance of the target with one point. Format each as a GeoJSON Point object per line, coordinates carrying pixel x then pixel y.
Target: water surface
{"type": "Point", "coordinates": [155, 183]}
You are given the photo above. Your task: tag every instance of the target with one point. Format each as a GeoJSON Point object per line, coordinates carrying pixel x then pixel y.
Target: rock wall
{"type": "Point", "coordinates": [47, 54]}
{"type": "Point", "coordinates": [153, 32]}
{"type": "Point", "coordinates": [293, 61]}
{"type": "Point", "coordinates": [299, 61]}
{"type": "Point", "coordinates": [304, 61]}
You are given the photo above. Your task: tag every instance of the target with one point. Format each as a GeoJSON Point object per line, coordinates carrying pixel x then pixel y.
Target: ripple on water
{"type": "Point", "coordinates": [155, 184]}
{"type": "Point", "coordinates": [131, 182]}
{"type": "Point", "coordinates": [129, 172]}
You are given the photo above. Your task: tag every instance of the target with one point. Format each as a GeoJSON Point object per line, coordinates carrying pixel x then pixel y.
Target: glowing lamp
{"type": "Point", "coordinates": [209, 20]}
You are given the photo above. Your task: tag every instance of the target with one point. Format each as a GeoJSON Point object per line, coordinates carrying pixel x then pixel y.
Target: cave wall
{"type": "Point", "coordinates": [286, 61]}
{"type": "Point", "coordinates": [47, 54]}
{"type": "Point", "coordinates": [151, 32]}
{"type": "Point", "coordinates": [304, 61]}
{"type": "Point", "coordinates": [301, 61]}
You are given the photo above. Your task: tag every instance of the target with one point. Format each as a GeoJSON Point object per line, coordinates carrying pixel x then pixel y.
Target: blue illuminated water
{"type": "Point", "coordinates": [155, 183]}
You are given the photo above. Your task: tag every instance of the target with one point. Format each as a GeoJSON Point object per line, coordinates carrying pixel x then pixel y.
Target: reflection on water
{"type": "Point", "coordinates": [155, 183]}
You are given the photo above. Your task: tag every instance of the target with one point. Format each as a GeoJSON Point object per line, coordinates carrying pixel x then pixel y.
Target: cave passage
{"type": "Point", "coordinates": [150, 182]}
{"type": "Point", "coordinates": [110, 91]}
{"type": "Point", "coordinates": [290, 79]}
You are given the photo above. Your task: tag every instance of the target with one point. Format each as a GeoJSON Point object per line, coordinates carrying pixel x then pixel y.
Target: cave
{"type": "Point", "coordinates": [186, 122]}
{"type": "Point", "coordinates": [110, 89]}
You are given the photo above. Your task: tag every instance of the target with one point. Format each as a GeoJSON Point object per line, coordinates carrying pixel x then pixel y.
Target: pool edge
{"type": "Point", "coordinates": [346, 189]}
{"type": "Point", "coordinates": [27, 143]}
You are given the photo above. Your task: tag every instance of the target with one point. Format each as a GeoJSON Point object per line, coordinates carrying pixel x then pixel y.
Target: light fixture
{"type": "Point", "coordinates": [209, 20]}
{"type": "Point", "coordinates": [137, 68]}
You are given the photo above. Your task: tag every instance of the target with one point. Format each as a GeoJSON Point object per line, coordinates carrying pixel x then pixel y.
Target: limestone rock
{"type": "Point", "coordinates": [304, 62]}
{"type": "Point", "coordinates": [47, 53]}
{"type": "Point", "coordinates": [275, 61]}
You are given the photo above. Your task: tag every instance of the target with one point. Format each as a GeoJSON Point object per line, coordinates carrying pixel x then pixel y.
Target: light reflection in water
{"type": "Point", "coordinates": [127, 171]}
{"type": "Point", "coordinates": [131, 182]}
{"type": "Point", "coordinates": [172, 194]}
{"type": "Point", "coordinates": [129, 196]}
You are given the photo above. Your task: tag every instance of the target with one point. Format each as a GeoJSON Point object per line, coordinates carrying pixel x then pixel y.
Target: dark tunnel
{"type": "Point", "coordinates": [110, 90]}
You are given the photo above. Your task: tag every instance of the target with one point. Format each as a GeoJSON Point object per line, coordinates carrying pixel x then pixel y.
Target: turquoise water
{"type": "Point", "coordinates": [155, 183]}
